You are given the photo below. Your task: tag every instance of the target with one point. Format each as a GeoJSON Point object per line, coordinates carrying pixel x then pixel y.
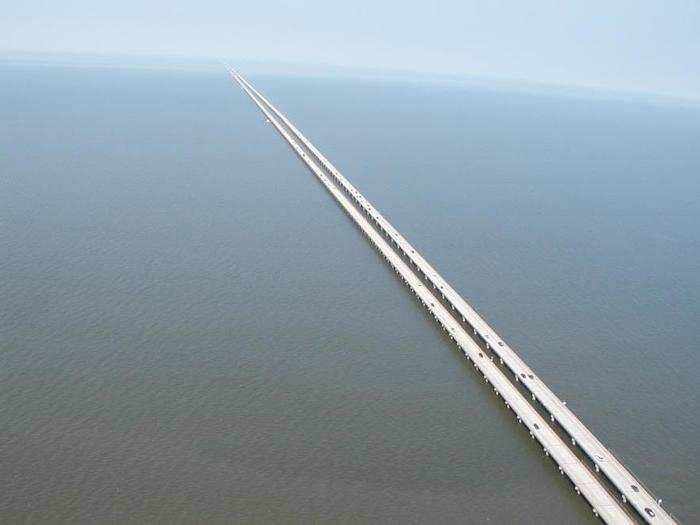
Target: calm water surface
{"type": "Point", "coordinates": [191, 330]}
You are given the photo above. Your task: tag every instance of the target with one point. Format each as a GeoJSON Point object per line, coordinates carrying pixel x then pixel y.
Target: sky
{"type": "Point", "coordinates": [640, 45]}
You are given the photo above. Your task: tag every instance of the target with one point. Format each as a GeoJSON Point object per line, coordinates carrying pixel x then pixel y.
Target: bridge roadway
{"type": "Point", "coordinates": [631, 490]}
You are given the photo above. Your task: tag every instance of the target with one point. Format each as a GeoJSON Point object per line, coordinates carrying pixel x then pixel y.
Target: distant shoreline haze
{"type": "Point", "coordinates": [303, 70]}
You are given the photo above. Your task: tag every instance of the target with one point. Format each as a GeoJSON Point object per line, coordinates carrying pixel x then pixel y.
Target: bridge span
{"type": "Point", "coordinates": [613, 492]}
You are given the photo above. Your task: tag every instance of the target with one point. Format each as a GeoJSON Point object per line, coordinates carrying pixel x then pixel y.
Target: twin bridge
{"type": "Point", "coordinates": [613, 492]}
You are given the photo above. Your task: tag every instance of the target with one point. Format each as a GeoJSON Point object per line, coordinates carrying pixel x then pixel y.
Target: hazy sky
{"type": "Point", "coordinates": [631, 44]}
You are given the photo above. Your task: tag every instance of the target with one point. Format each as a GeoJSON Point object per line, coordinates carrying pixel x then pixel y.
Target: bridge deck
{"type": "Point", "coordinates": [630, 488]}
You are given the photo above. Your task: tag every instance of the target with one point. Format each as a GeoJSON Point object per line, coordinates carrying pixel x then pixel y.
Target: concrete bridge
{"type": "Point", "coordinates": [613, 492]}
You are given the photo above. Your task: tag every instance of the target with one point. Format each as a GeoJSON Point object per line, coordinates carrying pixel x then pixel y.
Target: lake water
{"type": "Point", "coordinates": [192, 330]}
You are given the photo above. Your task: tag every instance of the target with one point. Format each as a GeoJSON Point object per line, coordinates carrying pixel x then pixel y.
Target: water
{"type": "Point", "coordinates": [192, 330]}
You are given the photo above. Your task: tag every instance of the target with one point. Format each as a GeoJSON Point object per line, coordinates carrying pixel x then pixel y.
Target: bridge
{"type": "Point", "coordinates": [614, 493]}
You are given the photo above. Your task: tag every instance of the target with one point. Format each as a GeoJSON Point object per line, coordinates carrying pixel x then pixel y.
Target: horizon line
{"type": "Point", "coordinates": [175, 61]}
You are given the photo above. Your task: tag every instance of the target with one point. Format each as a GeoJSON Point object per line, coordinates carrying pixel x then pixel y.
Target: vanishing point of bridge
{"type": "Point", "coordinates": [614, 493]}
